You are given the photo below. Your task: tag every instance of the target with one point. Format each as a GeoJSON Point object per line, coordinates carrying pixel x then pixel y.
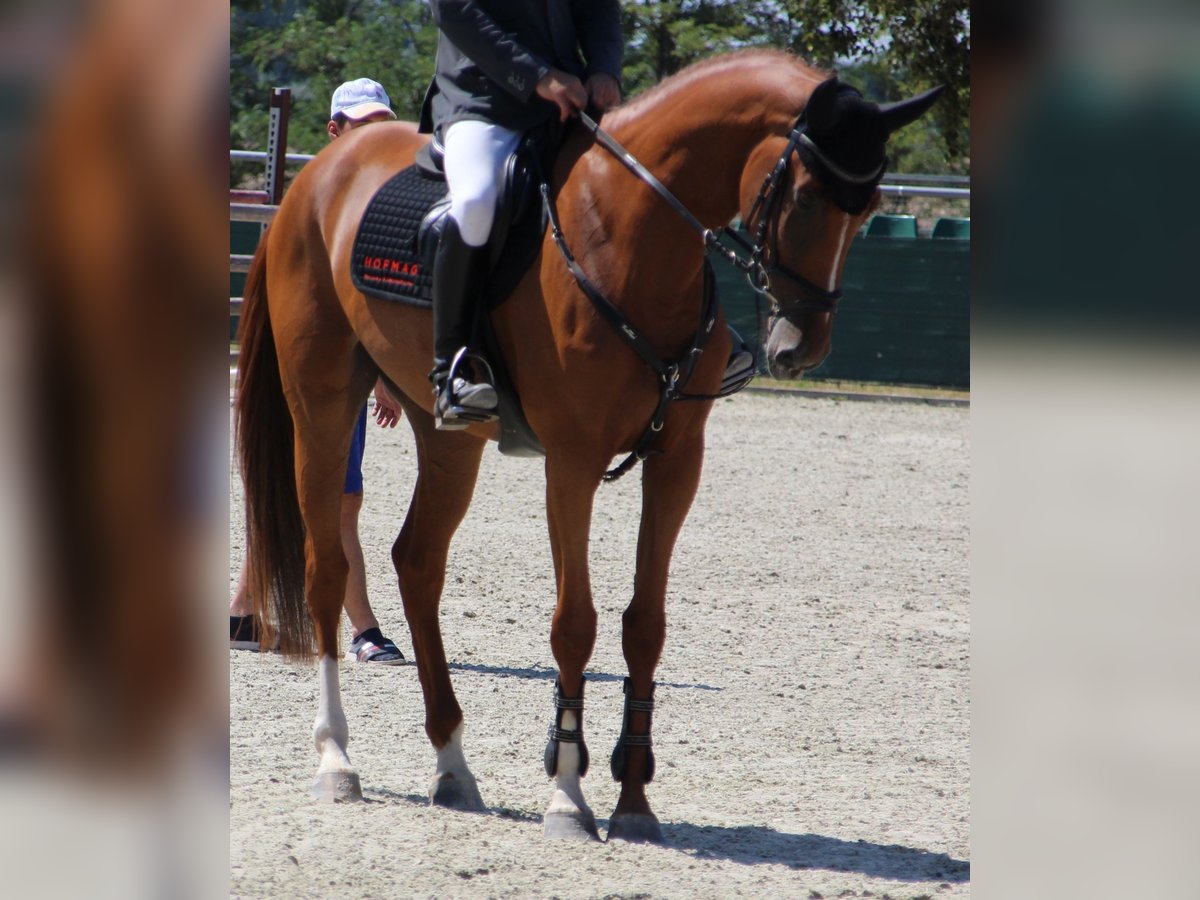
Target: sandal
{"type": "Point", "coordinates": [243, 633]}
{"type": "Point", "coordinates": [372, 647]}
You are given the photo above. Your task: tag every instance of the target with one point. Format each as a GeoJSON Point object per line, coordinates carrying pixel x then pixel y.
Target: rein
{"type": "Point", "coordinates": [758, 273]}
{"type": "Point", "coordinates": [674, 376]}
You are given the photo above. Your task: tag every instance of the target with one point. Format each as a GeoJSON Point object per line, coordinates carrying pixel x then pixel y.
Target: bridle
{"type": "Point", "coordinates": [767, 207]}
{"type": "Point", "coordinates": [767, 211]}
{"type": "Point", "coordinates": [759, 265]}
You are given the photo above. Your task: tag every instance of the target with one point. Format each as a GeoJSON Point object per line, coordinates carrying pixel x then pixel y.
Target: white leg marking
{"type": "Point", "coordinates": [453, 784]}
{"type": "Point", "coordinates": [330, 731]}
{"type": "Point", "coordinates": [838, 253]}
{"type": "Point", "coordinates": [451, 757]}
{"type": "Point", "coordinates": [568, 794]}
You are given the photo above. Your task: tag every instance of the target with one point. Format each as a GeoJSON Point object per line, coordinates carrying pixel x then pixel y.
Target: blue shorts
{"type": "Point", "coordinates": [358, 441]}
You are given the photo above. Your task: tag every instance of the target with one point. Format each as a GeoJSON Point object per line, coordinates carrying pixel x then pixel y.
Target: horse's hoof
{"type": "Point", "coordinates": [575, 826]}
{"type": "Point", "coordinates": [337, 787]}
{"type": "Point", "coordinates": [455, 792]}
{"type": "Point", "coordinates": [637, 827]}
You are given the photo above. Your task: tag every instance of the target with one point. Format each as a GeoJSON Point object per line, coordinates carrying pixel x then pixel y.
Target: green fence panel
{"type": "Point", "coordinates": [243, 239]}
{"type": "Point", "coordinates": [905, 317]}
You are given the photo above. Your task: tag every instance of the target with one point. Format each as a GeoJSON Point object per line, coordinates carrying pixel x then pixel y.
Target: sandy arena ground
{"type": "Point", "coordinates": [812, 729]}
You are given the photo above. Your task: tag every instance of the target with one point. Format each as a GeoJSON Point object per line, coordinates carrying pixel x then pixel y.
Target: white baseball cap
{"type": "Point", "coordinates": [360, 98]}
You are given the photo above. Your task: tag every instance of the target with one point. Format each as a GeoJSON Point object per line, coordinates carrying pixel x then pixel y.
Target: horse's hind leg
{"type": "Point", "coordinates": [570, 490]}
{"type": "Point", "coordinates": [323, 420]}
{"type": "Point", "coordinates": [448, 465]}
{"type": "Point", "coordinates": [669, 483]}
{"type": "Point", "coordinates": [320, 488]}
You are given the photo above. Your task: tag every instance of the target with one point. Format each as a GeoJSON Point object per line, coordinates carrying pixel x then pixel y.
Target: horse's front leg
{"type": "Point", "coordinates": [448, 464]}
{"type": "Point", "coordinates": [570, 489]}
{"type": "Point", "coordinates": [669, 483]}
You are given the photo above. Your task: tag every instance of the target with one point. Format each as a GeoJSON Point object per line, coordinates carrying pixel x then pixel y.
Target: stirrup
{"type": "Point", "coordinates": [459, 403]}
{"type": "Point", "coordinates": [739, 371]}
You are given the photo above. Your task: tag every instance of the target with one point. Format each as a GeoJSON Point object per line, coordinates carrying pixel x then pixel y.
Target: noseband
{"type": "Point", "coordinates": [768, 207]}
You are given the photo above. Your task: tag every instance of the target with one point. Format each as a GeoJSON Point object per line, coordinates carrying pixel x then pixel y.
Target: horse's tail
{"type": "Point", "coordinates": [266, 456]}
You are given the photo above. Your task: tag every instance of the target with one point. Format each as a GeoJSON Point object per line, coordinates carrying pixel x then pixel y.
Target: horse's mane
{"type": "Point", "coordinates": [738, 64]}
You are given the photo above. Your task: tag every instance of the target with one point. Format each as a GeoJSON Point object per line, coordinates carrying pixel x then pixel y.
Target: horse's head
{"type": "Point", "coordinates": [822, 184]}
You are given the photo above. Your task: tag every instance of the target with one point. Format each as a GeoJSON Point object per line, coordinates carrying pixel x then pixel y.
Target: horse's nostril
{"type": "Point", "coordinates": [785, 359]}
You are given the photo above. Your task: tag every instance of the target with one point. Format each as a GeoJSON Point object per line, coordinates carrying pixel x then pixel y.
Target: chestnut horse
{"type": "Point", "coordinates": [722, 137]}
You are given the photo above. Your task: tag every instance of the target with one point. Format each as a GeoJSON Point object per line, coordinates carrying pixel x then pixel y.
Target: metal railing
{"type": "Point", "coordinates": [904, 178]}
{"type": "Point", "coordinates": [260, 205]}
{"type": "Point", "coordinates": [893, 177]}
{"type": "Point", "coordinates": [897, 184]}
{"type": "Point", "coordinates": [923, 190]}
{"type": "Point", "coordinates": [263, 213]}
{"type": "Point", "coordinates": [261, 156]}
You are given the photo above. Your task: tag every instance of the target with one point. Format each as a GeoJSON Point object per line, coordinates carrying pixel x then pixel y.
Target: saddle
{"type": "Point", "coordinates": [397, 241]}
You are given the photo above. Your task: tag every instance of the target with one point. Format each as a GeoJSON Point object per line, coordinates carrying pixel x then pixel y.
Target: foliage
{"type": "Point", "coordinates": [930, 44]}
{"type": "Point", "coordinates": [902, 46]}
{"type": "Point", "coordinates": [662, 38]}
{"type": "Point", "coordinates": [315, 47]}
{"type": "Point", "coordinates": [889, 48]}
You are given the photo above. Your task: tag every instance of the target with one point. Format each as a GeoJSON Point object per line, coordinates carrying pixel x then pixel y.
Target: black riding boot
{"type": "Point", "coordinates": [458, 272]}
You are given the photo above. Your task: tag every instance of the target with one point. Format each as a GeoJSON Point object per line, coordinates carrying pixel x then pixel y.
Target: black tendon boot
{"type": "Point", "coordinates": [458, 272]}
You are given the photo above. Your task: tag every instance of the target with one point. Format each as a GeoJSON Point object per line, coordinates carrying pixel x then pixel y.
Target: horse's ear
{"type": "Point", "coordinates": [821, 113]}
{"type": "Point", "coordinates": [897, 115]}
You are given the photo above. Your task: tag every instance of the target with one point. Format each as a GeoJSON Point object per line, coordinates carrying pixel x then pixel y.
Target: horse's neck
{"type": "Point", "coordinates": [696, 136]}
{"type": "Point", "coordinates": [641, 253]}
{"type": "Point", "coordinates": [703, 177]}
{"type": "Point", "coordinates": [697, 141]}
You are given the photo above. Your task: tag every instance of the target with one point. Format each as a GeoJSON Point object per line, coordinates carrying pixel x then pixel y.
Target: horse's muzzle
{"type": "Point", "coordinates": [791, 350]}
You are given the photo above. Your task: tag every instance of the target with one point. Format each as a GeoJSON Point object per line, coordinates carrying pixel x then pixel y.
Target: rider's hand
{"type": "Point", "coordinates": [564, 90]}
{"type": "Point", "coordinates": [604, 91]}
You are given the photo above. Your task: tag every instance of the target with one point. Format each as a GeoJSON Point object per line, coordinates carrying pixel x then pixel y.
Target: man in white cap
{"type": "Point", "coordinates": [358, 102]}
{"type": "Point", "coordinates": [355, 103]}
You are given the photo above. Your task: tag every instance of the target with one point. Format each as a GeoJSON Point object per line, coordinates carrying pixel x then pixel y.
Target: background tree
{"type": "Point", "coordinates": [662, 38]}
{"type": "Point", "coordinates": [929, 43]}
{"type": "Point", "coordinates": [889, 48]}
{"type": "Point", "coordinates": [312, 47]}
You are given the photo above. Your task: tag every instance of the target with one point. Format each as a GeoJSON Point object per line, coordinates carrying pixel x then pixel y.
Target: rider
{"type": "Point", "coordinates": [503, 68]}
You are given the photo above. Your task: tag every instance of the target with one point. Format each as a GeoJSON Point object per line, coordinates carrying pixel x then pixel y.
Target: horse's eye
{"type": "Point", "coordinates": [803, 198]}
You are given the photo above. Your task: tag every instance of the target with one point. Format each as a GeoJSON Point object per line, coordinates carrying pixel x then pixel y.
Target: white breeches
{"type": "Point", "coordinates": [475, 155]}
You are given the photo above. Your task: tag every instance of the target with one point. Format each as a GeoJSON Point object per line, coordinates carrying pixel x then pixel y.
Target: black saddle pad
{"type": "Point", "coordinates": [387, 261]}
{"type": "Point", "coordinates": [397, 239]}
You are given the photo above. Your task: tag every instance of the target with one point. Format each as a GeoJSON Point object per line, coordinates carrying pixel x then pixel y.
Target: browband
{"type": "Point", "coordinates": [838, 170]}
